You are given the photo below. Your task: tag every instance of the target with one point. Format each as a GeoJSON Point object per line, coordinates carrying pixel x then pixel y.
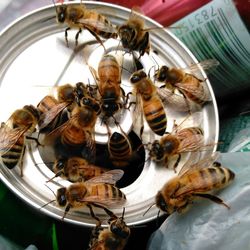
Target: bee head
{"type": "Point", "coordinates": [109, 108]}
{"type": "Point", "coordinates": [91, 103]}
{"type": "Point", "coordinates": [128, 36]}
{"type": "Point", "coordinates": [61, 197]}
{"type": "Point", "coordinates": [79, 90]}
{"type": "Point", "coordinates": [61, 13]}
{"type": "Point", "coordinates": [156, 151]}
{"type": "Point", "coordinates": [137, 76]}
{"type": "Point", "coordinates": [59, 165]}
{"type": "Point", "coordinates": [162, 74]}
{"type": "Point", "coordinates": [161, 203]}
{"type": "Point", "coordinates": [119, 228]}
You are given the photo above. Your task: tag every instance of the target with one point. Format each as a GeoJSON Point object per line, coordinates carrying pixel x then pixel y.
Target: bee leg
{"type": "Point", "coordinates": [93, 214]}
{"type": "Point", "coordinates": [34, 139]}
{"type": "Point", "coordinates": [21, 160]}
{"type": "Point", "coordinates": [177, 162]}
{"type": "Point", "coordinates": [141, 132]}
{"type": "Point", "coordinates": [186, 101]}
{"type": "Point", "coordinates": [66, 36]}
{"type": "Point", "coordinates": [96, 37]}
{"type": "Point", "coordinates": [77, 36]}
{"type": "Point", "coordinates": [66, 211]}
{"type": "Point", "coordinates": [126, 100]}
{"type": "Point", "coordinates": [213, 198]}
{"type": "Point", "coordinates": [108, 212]}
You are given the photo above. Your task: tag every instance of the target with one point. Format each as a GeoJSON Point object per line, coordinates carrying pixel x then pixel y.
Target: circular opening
{"type": "Point", "coordinates": [132, 166]}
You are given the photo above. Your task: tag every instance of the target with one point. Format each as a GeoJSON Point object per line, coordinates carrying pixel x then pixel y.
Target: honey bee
{"type": "Point", "coordinates": [191, 87]}
{"type": "Point", "coordinates": [196, 180]}
{"type": "Point", "coordinates": [13, 135]}
{"type": "Point", "coordinates": [76, 169]}
{"type": "Point", "coordinates": [98, 192]}
{"type": "Point", "coordinates": [77, 16]}
{"type": "Point", "coordinates": [50, 113]}
{"type": "Point", "coordinates": [51, 108]}
{"type": "Point", "coordinates": [181, 140]}
{"type": "Point", "coordinates": [108, 80]}
{"type": "Point", "coordinates": [134, 36]}
{"type": "Point", "coordinates": [113, 237]}
{"type": "Point", "coordinates": [148, 103]}
{"type": "Point", "coordinates": [120, 149]}
{"type": "Point", "coordinates": [76, 133]}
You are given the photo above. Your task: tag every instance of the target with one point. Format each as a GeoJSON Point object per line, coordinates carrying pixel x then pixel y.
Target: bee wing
{"type": "Point", "coordinates": [47, 117]}
{"type": "Point", "coordinates": [105, 201]}
{"type": "Point", "coordinates": [89, 151]}
{"type": "Point", "coordinates": [195, 162]}
{"type": "Point", "coordinates": [137, 114]}
{"type": "Point", "coordinates": [9, 137]}
{"type": "Point", "coordinates": [97, 24]}
{"type": "Point", "coordinates": [110, 177]}
{"type": "Point", "coordinates": [207, 65]}
{"type": "Point", "coordinates": [61, 128]}
{"type": "Point", "coordinates": [192, 143]}
{"type": "Point", "coordinates": [174, 100]}
{"type": "Point", "coordinates": [190, 188]}
{"type": "Point", "coordinates": [57, 131]}
{"type": "Point", "coordinates": [192, 120]}
{"type": "Point", "coordinates": [201, 91]}
{"type": "Point", "coordinates": [86, 167]}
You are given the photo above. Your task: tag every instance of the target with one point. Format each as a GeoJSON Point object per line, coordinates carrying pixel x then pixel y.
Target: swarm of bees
{"type": "Point", "coordinates": [66, 123]}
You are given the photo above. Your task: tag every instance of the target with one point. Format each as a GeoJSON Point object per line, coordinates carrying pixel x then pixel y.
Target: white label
{"type": "Point", "coordinates": [217, 31]}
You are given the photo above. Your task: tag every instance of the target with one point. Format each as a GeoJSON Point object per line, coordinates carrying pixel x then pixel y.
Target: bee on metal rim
{"type": "Point", "coordinates": [113, 237]}
{"type": "Point", "coordinates": [75, 134]}
{"type": "Point", "coordinates": [148, 103]}
{"type": "Point", "coordinates": [51, 108]}
{"type": "Point", "coordinates": [197, 180]}
{"type": "Point", "coordinates": [108, 80]}
{"type": "Point", "coordinates": [99, 191]}
{"type": "Point", "coordinates": [14, 134]}
{"type": "Point", "coordinates": [183, 139]}
{"type": "Point", "coordinates": [191, 87]}
{"type": "Point", "coordinates": [50, 113]}
{"type": "Point", "coordinates": [133, 34]}
{"type": "Point", "coordinates": [77, 16]}
{"type": "Point", "coordinates": [76, 169]}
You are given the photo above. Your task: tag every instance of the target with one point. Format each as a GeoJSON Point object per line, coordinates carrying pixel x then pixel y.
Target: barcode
{"type": "Point", "coordinates": [211, 32]}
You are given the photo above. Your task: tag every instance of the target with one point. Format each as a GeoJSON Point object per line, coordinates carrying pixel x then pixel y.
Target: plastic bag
{"type": "Point", "coordinates": [207, 225]}
{"type": "Point", "coordinates": [6, 244]}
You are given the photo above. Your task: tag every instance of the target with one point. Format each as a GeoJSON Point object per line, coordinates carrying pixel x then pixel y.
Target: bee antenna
{"type": "Point", "coordinates": [148, 209]}
{"type": "Point", "coordinates": [150, 70]}
{"type": "Point", "coordinates": [46, 204]}
{"type": "Point", "coordinates": [123, 212]}
{"type": "Point", "coordinates": [56, 175]}
{"type": "Point", "coordinates": [123, 68]}
{"type": "Point", "coordinates": [51, 191]}
{"type": "Point", "coordinates": [155, 61]}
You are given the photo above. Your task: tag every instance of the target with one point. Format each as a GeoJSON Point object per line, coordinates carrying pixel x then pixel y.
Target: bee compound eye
{"type": "Point", "coordinates": [85, 101]}
{"type": "Point", "coordinates": [60, 164]}
{"type": "Point", "coordinates": [161, 203]}
{"type": "Point", "coordinates": [135, 78]}
{"type": "Point", "coordinates": [61, 197]}
{"type": "Point", "coordinates": [119, 230]}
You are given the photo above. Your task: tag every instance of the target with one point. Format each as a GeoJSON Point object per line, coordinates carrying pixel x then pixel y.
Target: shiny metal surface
{"type": "Point", "coordinates": [34, 58]}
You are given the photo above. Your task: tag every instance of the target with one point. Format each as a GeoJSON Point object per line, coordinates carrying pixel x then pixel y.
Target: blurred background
{"type": "Point", "coordinates": [212, 29]}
